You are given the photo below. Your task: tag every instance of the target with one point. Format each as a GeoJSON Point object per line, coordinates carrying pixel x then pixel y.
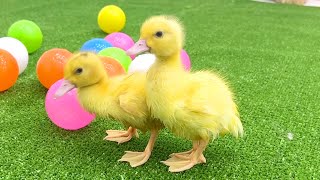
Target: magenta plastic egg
{"type": "Point", "coordinates": [185, 60]}
{"type": "Point", "coordinates": [66, 111]}
{"type": "Point", "coordinates": [120, 40]}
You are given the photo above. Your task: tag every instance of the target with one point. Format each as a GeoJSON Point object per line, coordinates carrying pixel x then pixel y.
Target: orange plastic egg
{"type": "Point", "coordinates": [50, 66]}
{"type": "Point", "coordinates": [9, 70]}
{"type": "Point", "coordinates": [112, 66]}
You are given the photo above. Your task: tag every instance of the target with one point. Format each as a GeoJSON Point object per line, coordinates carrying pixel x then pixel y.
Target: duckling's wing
{"type": "Point", "coordinates": [131, 104]}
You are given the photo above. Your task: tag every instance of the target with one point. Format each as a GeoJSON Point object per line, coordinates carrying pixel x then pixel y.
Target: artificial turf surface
{"type": "Point", "coordinates": [269, 53]}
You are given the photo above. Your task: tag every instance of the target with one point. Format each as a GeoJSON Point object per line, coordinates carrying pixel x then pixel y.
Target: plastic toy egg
{"type": "Point", "coordinates": [111, 19]}
{"type": "Point", "coordinates": [28, 33]}
{"type": "Point", "coordinates": [95, 45]}
{"type": "Point", "coordinates": [142, 63]}
{"type": "Point", "coordinates": [9, 70]}
{"type": "Point", "coordinates": [117, 54]}
{"type": "Point", "coordinates": [66, 111]}
{"type": "Point", "coordinates": [185, 60]}
{"type": "Point", "coordinates": [112, 66]}
{"type": "Point", "coordinates": [120, 40]}
{"type": "Point", "coordinates": [50, 66]}
{"type": "Point", "coordinates": [17, 50]}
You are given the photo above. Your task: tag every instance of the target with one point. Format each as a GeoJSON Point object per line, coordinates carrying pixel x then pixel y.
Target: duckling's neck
{"type": "Point", "coordinates": [160, 79]}
{"type": "Point", "coordinates": [91, 96]}
{"type": "Point", "coordinates": [169, 62]}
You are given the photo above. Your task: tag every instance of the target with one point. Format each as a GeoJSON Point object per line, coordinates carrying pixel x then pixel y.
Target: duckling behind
{"type": "Point", "coordinates": [122, 98]}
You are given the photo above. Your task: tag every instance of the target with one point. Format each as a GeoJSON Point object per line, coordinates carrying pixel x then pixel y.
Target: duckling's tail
{"type": "Point", "coordinates": [234, 127]}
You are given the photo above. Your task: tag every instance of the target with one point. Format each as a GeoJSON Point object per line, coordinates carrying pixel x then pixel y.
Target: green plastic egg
{"type": "Point", "coordinates": [28, 33]}
{"type": "Point", "coordinates": [117, 54]}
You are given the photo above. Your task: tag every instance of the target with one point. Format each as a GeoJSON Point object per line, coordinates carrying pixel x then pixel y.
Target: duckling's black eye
{"type": "Point", "coordinates": [79, 71]}
{"type": "Point", "coordinates": [159, 34]}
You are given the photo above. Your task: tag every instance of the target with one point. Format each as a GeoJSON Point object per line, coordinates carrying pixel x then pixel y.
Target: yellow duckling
{"type": "Point", "coordinates": [197, 106]}
{"type": "Point", "coordinates": [121, 97]}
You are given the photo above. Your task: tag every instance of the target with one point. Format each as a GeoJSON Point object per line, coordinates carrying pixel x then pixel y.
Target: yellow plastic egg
{"type": "Point", "coordinates": [111, 19]}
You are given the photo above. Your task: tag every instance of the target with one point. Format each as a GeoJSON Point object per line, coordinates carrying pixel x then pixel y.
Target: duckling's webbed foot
{"type": "Point", "coordinates": [182, 162]}
{"type": "Point", "coordinates": [138, 158]}
{"type": "Point", "coordinates": [177, 165]}
{"type": "Point", "coordinates": [135, 158]}
{"type": "Point", "coordinates": [121, 136]}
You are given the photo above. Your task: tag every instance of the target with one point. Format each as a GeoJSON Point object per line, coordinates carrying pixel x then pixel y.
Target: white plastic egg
{"type": "Point", "coordinates": [142, 63]}
{"type": "Point", "coordinates": [17, 50]}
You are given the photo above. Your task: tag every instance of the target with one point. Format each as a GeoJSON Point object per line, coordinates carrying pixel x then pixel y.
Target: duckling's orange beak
{"type": "Point", "coordinates": [65, 87]}
{"type": "Point", "coordinates": [138, 47]}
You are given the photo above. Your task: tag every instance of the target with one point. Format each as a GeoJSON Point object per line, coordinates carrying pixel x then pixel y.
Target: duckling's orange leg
{"type": "Point", "coordinates": [177, 164]}
{"type": "Point", "coordinates": [121, 136]}
{"type": "Point", "coordinates": [138, 158]}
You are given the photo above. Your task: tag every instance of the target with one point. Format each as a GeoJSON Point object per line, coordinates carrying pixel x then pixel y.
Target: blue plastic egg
{"type": "Point", "coordinates": [95, 45]}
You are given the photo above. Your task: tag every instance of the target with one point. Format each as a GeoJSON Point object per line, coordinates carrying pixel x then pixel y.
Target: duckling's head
{"type": "Point", "coordinates": [82, 70]}
{"type": "Point", "coordinates": [160, 35]}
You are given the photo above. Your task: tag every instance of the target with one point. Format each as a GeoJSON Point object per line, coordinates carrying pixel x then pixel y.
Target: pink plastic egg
{"type": "Point", "coordinates": [66, 111]}
{"type": "Point", "coordinates": [185, 60]}
{"type": "Point", "coordinates": [120, 40]}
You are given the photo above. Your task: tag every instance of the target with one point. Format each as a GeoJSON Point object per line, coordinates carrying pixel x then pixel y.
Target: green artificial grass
{"type": "Point", "coordinates": [269, 53]}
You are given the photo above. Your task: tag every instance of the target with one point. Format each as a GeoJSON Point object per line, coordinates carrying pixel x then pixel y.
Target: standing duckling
{"type": "Point", "coordinates": [121, 97]}
{"type": "Point", "coordinates": [197, 106]}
